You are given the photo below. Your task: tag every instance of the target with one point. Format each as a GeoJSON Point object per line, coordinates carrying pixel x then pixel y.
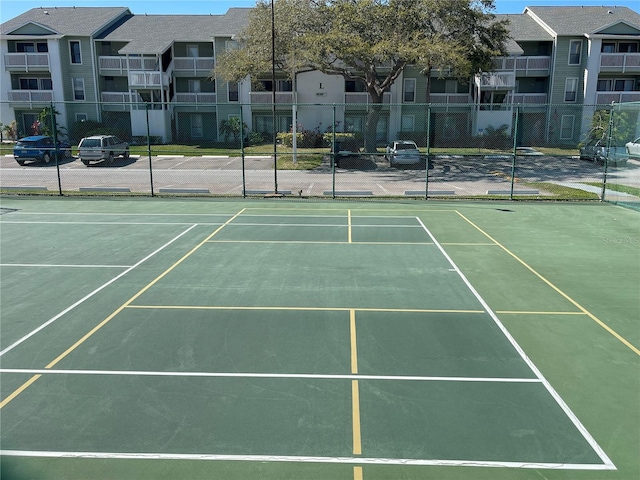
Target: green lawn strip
{"type": "Point", "coordinates": [617, 188]}
{"type": "Point", "coordinates": [562, 192]}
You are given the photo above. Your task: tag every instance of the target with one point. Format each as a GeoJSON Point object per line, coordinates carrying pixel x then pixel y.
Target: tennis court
{"type": "Point", "coordinates": [277, 339]}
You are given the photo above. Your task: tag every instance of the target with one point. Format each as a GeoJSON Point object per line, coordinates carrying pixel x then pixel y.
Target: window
{"type": "Point", "coordinates": [624, 85]}
{"type": "Point", "coordinates": [192, 51]}
{"type": "Point", "coordinates": [575, 48]}
{"type": "Point", "coordinates": [28, 84]}
{"type": "Point", "coordinates": [196, 126]}
{"type": "Point", "coordinates": [409, 90]}
{"type": "Point", "coordinates": [81, 117]}
{"type": "Point", "coordinates": [354, 124]}
{"type": "Point", "coordinates": [194, 86]}
{"type": "Point", "coordinates": [46, 84]}
{"type": "Point", "coordinates": [628, 47]}
{"type": "Point", "coordinates": [408, 123]}
{"type": "Point", "coordinates": [23, 47]}
{"type": "Point", "coordinates": [233, 92]}
{"type": "Point", "coordinates": [264, 124]}
{"type": "Point", "coordinates": [74, 48]}
{"type": "Point", "coordinates": [571, 90]}
{"type": "Point", "coordinates": [566, 126]}
{"type": "Point", "coordinates": [604, 85]}
{"type": "Point", "coordinates": [608, 47]}
{"type": "Point", "coordinates": [78, 88]}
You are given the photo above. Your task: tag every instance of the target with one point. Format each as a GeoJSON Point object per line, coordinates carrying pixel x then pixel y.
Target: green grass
{"type": "Point", "coordinates": [617, 188]}
{"type": "Point", "coordinates": [562, 192]}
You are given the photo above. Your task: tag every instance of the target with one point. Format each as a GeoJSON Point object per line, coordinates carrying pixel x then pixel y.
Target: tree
{"type": "Point", "coordinates": [368, 41]}
{"type": "Point", "coordinates": [232, 127]}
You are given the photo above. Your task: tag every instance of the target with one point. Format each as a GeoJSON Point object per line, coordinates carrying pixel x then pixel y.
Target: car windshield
{"type": "Point", "coordinates": [26, 143]}
{"type": "Point", "coordinates": [406, 146]}
{"type": "Point", "coordinates": [90, 142]}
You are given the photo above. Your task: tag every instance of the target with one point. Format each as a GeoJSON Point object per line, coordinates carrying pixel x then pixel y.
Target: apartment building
{"type": "Point", "coordinates": [108, 65]}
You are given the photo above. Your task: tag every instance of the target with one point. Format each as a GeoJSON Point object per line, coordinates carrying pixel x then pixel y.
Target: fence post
{"type": "Point", "coordinates": [333, 154]}
{"type": "Point", "coordinates": [606, 157]}
{"type": "Point", "coordinates": [244, 182]}
{"type": "Point", "coordinates": [54, 134]}
{"type": "Point", "coordinates": [428, 145]}
{"type": "Point", "coordinates": [149, 148]}
{"type": "Point", "coordinates": [515, 146]}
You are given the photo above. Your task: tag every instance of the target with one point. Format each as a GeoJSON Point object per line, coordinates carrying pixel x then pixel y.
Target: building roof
{"type": "Point", "coordinates": [524, 28]}
{"type": "Point", "coordinates": [578, 21]}
{"type": "Point", "coordinates": [150, 34]}
{"type": "Point", "coordinates": [72, 21]}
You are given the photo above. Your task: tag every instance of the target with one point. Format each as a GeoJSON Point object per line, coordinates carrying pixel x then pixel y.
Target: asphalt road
{"type": "Point", "coordinates": [367, 176]}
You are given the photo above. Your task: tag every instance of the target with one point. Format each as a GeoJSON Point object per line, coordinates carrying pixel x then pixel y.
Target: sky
{"type": "Point", "coordinates": [12, 8]}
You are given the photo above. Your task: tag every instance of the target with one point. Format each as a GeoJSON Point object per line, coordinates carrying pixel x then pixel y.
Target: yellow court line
{"type": "Point", "coordinates": [357, 473]}
{"type": "Point", "coordinates": [560, 292]}
{"type": "Point", "coordinates": [302, 309]}
{"type": "Point", "coordinates": [355, 403]}
{"type": "Point", "coordinates": [354, 348]}
{"type": "Point", "coordinates": [116, 312]}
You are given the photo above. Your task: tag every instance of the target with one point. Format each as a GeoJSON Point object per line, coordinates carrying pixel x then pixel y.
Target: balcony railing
{"type": "Point", "coordinates": [363, 98]}
{"type": "Point", "coordinates": [620, 62]}
{"type": "Point", "coordinates": [606, 98]}
{"type": "Point", "coordinates": [535, 65]}
{"type": "Point", "coordinates": [193, 65]}
{"type": "Point", "coordinates": [146, 79]}
{"type": "Point", "coordinates": [26, 62]}
{"type": "Point", "coordinates": [111, 65]}
{"type": "Point", "coordinates": [450, 98]}
{"type": "Point", "coordinates": [30, 96]}
{"type": "Point", "coordinates": [527, 98]}
{"type": "Point", "coordinates": [195, 98]}
{"type": "Point", "coordinates": [496, 81]}
{"type": "Point", "coordinates": [266, 97]}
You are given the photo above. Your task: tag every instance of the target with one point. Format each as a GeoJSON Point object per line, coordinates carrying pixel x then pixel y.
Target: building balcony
{"type": "Point", "coordinates": [195, 98]}
{"type": "Point", "coordinates": [193, 66]}
{"type": "Point", "coordinates": [30, 98]}
{"type": "Point", "coordinates": [258, 98]}
{"type": "Point", "coordinates": [26, 62]}
{"type": "Point", "coordinates": [528, 66]}
{"type": "Point", "coordinates": [363, 99]}
{"type": "Point", "coordinates": [607, 98]}
{"type": "Point", "coordinates": [527, 98]}
{"type": "Point", "coordinates": [119, 66]}
{"type": "Point", "coordinates": [148, 79]}
{"type": "Point", "coordinates": [450, 98]}
{"type": "Point", "coordinates": [496, 81]}
{"type": "Point", "coordinates": [118, 101]}
{"type": "Point", "coordinates": [620, 62]}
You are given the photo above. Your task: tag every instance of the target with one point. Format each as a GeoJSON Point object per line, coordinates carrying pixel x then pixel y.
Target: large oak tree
{"type": "Point", "coordinates": [368, 41]}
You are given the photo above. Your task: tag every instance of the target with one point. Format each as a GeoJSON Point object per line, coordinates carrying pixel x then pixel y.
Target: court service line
{"type": "Point", "coordinates": [293, 376]}
{"type": "Point", "coordinates": [118, 310]}
{"type": "Point", "coordinates": [557, 290]}
{"type": "Point", "coordinates": [61, 266]}
{"type": "Point", "coordinates": [554, 394]}
{"type": "Point", "coordinates": [301, 309]}
{"type": "Point", "coordinates": [91, 294]}
{"type": "Point", "coordinates": [304, 459]}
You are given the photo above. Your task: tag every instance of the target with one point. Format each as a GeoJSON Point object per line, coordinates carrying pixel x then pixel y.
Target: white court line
{"type": "Point", "coordinates": [145, 373]}
{"type": "Point", "coordinates": [89, 295]}
{"type": "Point", "coordinates": [42, 222]}
{"type": "Point", "coordinates": [61, 266]}
{"type": "Point", "coordinates": [581, 428]}
{"type": "Point", "coordinates": [303, 459]}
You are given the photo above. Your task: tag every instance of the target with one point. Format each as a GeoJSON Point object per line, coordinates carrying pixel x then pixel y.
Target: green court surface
{"type": "Point", "coordinates": [278, 339]}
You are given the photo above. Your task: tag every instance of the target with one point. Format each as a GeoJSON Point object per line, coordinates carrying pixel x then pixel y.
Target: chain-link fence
{"type": "Point", "coordinates": [532, 151]}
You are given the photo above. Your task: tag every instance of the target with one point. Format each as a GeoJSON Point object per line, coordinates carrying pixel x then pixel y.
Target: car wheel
{"type": "Point", "coordinates": [46, 158]}
{"type": "Point", "coordinates": [110, 159]}
{"type": "Point", "coordinates": [20, 162]}
{"type": "Point", "coordinates": [125, 155]}
{"type": "Point", "coordinates": [86, 162]}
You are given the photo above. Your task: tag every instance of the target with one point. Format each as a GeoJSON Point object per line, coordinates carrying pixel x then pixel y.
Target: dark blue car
{"type": "Point", "coordinates": [39, 148]}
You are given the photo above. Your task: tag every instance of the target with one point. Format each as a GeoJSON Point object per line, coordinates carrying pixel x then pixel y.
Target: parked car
{"type": "Point", "coordinates": [39, 148]}
{"type": "Point", "coordinates": [633, 148]}
{"type": "Point", "coordinates": [98, 148]}
{"type": "Point", "coordinates": [596, 151]}
{"type": "Point", "coordinates": [403, 152]}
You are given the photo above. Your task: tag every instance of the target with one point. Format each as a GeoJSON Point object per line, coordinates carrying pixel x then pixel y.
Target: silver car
{"type": "Point", "coordinates": [633, 148]}
{"type": "Point", "coordinates": [403, 152]}
{"type": "Point", "coordinates": [596, 151]}
{"type": "Point", "coordinates": [99, 148]}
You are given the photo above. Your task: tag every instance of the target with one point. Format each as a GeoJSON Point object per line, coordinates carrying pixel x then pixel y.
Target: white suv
{"type": "Point", "coordinates": [99, 148]}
